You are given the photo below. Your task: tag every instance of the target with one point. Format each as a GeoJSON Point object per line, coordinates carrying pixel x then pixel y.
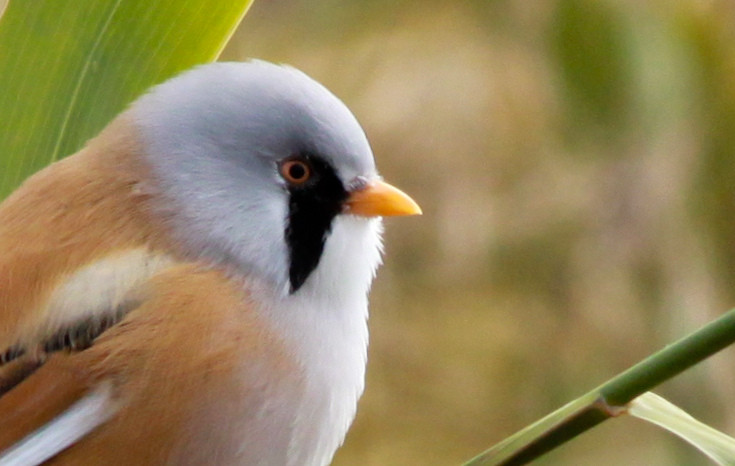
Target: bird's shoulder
{"type": "Point", "coordinates": [83, 210]}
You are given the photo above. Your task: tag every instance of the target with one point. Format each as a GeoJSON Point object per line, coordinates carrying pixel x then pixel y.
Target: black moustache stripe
{"type": "Point", "coordinates": [312, 208]}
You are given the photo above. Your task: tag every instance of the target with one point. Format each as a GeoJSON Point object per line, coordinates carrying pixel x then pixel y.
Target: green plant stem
{"type": "Point", "coordinates": [610, 399]}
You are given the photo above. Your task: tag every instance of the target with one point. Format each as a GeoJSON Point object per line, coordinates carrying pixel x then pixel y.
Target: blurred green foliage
{"type": "Point", "coordinates": [589, 47]}
{"type": "Point", "coordinates": [574, 159]}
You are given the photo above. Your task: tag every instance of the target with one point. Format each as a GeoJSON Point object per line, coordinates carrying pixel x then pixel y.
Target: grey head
{"type": "Point", "coordinates": [253, 162]}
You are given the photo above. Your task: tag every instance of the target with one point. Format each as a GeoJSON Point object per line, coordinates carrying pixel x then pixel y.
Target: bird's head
{"type": "Point", "coordinates": [261, 168]}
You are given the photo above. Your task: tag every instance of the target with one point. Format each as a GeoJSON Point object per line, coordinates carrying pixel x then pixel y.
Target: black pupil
{"type": "Point", "coordinates": [297, 171]}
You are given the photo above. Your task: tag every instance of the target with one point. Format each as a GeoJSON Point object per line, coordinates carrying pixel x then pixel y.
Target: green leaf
{"type": "Point", "coordinates": [661, 412]}
{"type": "Point", "coordinates": [67, 68]}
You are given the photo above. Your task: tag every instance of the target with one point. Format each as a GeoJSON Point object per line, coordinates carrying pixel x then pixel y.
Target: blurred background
{"type": "Point", "coordinates": [575, 163]}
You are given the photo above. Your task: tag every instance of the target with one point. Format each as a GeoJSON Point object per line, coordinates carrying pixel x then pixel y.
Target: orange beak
{"type": "Point", "coordinates": [379, 199]}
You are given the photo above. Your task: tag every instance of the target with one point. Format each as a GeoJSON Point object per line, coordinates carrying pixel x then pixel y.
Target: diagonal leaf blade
{"type": "Point", "coordinates": [67, 68]}
{"type": "Point", "coordinates": [657, 410]}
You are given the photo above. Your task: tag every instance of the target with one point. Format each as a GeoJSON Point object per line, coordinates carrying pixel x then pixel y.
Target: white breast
{"type": "Point", "coordinates": [325, 326]}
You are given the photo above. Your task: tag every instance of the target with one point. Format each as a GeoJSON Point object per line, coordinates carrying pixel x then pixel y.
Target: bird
{"type": "Point", "coordinates": [191, 287]}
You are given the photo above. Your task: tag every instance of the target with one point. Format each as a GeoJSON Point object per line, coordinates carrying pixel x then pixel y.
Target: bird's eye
{"type": "Point", "coordinates": [295, 171]}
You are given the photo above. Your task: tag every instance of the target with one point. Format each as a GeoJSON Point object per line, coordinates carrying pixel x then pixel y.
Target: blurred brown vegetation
{"type": "Point", "coordinates": [574, 159]}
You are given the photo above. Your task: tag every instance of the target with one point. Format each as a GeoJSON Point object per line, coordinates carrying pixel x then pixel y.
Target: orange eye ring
{"type": "Point", "coordinates": [295, 171]}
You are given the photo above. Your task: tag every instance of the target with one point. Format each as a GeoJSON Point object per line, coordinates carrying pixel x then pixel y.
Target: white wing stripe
{"type": "Point", "coordinates": [73, 424]}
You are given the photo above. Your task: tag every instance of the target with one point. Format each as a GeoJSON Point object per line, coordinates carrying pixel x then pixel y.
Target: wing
{"type": "Point", "coordinates": [66, 275]}
{"type": "Point", "coordinates": [190, 375]}
{"type": "Point", "coordinates": [50, 411]}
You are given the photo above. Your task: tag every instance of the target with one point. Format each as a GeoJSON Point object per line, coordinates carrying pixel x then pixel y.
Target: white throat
{"type": "Point", "coordinates": [324, 324]}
